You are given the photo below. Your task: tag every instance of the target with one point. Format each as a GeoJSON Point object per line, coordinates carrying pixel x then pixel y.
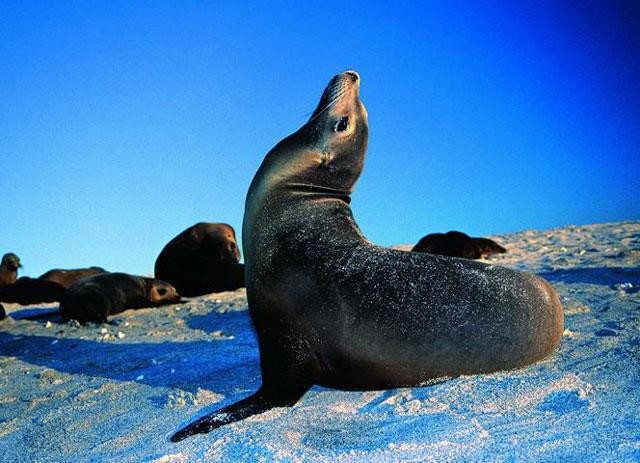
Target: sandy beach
{"type": "Point", "coordinates": [116, 392]}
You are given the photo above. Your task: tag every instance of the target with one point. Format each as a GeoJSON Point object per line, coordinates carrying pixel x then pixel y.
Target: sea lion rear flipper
{"type": "Point", "coordinates": [252, 405]}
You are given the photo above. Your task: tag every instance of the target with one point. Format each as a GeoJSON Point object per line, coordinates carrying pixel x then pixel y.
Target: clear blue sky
{"type": "Point", "coordinates": [122, 123]}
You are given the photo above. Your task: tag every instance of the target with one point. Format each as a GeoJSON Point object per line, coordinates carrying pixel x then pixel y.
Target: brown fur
{"type": "Point", "coordinates": [9, 269]}
{"type": "Point", "coordinates": [458, 244]}
{"type": "Point", "coordinates": [95, 298]}
{"type": "Point", "coordinates": [68, 277]}
{"type": "Point", "coordinates": [202, 259]}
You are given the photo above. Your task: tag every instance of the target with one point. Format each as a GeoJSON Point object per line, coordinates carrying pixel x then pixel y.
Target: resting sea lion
{"type": "Point", "coordinates": [94, 298]}
{"type": "Point", "coordinates": [68, 277]}
{"type": "Point", "coordinates": [9, 269]}
{"type": "Point", "coordinates": [202, 259]}
{"type": "Point", "coordinates": [27, 291]}
{"type": "Point", "coordinates": [330, 308]}
{"type": "Point", "coordinates": [458, 244]}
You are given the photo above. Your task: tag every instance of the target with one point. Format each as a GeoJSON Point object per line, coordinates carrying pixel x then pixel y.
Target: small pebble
{"type": "Point", "coordinates": [121, 335]}
{"type": "Point", "coordinates": [48, 325]}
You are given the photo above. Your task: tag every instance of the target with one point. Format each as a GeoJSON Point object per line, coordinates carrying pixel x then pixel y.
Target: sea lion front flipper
{"type": "Point", "coordinates": [252, 405]}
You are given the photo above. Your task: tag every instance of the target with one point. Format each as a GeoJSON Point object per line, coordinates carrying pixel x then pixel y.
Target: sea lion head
{"type": "Point", "coordinates": [219, 242]}
{"type": "Point", "coordinates": [489, 247]}
{"type": "Point", "coordinates": [161, 292]}
{"type": "Point", "coordinates": [11, 261]}
{"type": "Point", "coordinates": [326, 155]}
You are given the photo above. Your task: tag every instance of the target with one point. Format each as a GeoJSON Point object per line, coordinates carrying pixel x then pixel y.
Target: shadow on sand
{"type": "Point", "coordinates": [219, 365]}
{"type": "Point", "coordinates": [609, 276]}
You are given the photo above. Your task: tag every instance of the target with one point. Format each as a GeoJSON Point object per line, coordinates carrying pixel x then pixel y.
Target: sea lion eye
{"type": "Point", "coordinates": [341, 125]}
{"type": "Point", "coordinates": [162, 291]}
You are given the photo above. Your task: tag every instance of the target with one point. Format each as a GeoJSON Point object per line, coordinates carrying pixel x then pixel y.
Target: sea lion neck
{"type": "Point", "coordinates": [312, 191]}
{"type": "Point", "coordinates": [320, 162]}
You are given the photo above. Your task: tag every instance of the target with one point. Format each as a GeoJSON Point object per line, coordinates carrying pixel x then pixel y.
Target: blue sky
{"type": "Point", "coordinates": [122, 123]}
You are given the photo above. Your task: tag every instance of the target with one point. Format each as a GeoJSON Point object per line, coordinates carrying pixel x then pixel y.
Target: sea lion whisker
{"type": "Point", "coordinates": [321, 191]}
{"type": "Point", "coordinates": [330, 104]}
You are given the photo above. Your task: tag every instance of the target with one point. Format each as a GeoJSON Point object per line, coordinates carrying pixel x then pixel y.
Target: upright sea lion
{"type": "Point", "coordinates": [94, 298]}
{"type": "Point", "coordinates": [28, 291]}
{"type": "Point", "coordinates": [330, 308]}
{"type": "Point", "coordinates": [202, 259]}
{"type": "Point", "coordinates": [458, 244]}
{"type": "Point", "coordinates": [68, 277]}
{"type": "Point", "coordinates": [9, 269]}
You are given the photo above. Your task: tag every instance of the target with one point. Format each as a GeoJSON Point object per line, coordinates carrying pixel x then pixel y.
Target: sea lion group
{"type": "Point", "coordinates": [200, 260]}
{"type": "Point", "coordinates": [329, 307]}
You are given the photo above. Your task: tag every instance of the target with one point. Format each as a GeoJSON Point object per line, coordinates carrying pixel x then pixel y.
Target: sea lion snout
{"type": "Point", "coordinates": [347, 79]}
{"type": "Point", "coordinates": [353, 75]}
{"type": "Point", "coordinates": [233, 253]}
{"type": "Point", "coordinates": [342, 82]}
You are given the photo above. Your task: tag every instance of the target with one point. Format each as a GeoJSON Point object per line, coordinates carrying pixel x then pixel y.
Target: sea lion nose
{"type": "Point", "coordinates": [353, 75]}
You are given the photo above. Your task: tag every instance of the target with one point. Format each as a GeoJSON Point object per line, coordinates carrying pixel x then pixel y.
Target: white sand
{"type": "Point", "coordinates": [117, 392]}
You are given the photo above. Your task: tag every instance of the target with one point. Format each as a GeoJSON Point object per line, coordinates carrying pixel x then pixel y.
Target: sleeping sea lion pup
{"type": "Point", "coordinates": [26, 291]}
{"type": "Point", "coordinates": [330, 308]}
{"type": "Point", "coordinates": [9, 269]}
{"type": "Point", "coordinates": [94, 298]}
{"type": "Point", "coordinates": [68, 277]}
{"type": "Point", "coordinates": [458, 244]}
{"type": "Point", "coordinates": [202, 259]}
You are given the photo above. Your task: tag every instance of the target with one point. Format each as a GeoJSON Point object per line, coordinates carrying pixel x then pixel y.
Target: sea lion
{"type": "Point", "coordinates": [330, 308]}
{"type": "Point", "coordinates": [28, 291]}
{"type": "Point", "coordinates": [94, 298]}
{"type": "Point", "coordinates": [202, 259]}
{"type": "Point", "coordinates": [3, 314]}
{"type": "Point", "coordinates": [9, 269]}
{"type": "Point", "coordinates": [458, 244]}
{"type": "Point", "coordinates": [68, 277]}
